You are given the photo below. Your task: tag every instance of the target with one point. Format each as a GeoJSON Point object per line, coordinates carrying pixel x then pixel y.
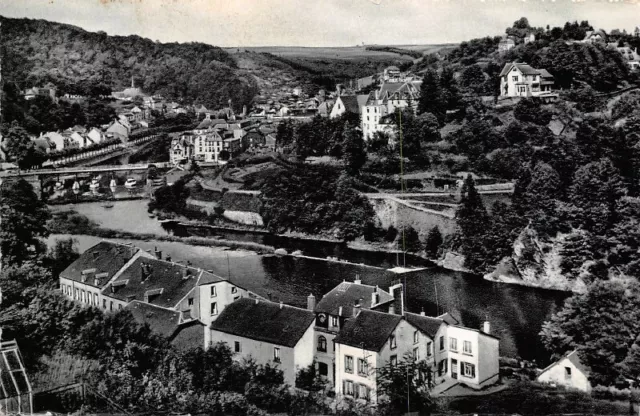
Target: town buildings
{"type": "Point", "coordinates": [506, 44]}
{"type": "Point", "coordinates": [167, 295]}
{"type": "Point", "coordinates": [353, 331]}
{"type": "Point", "coordinates": [521, 80]}
{"type": "Point", "coordinates": [48, 90]}
{"type": "Point", "coordinates": [568, 371]}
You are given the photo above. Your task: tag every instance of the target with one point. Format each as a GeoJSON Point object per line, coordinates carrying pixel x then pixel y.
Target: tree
{"type": "Point", "coordinates": [473, 221]}
{"type": "Point", "coordinates": [530, 110]}
{"type": "Point", "coordinates": [20, 148]}
{"type": "Point", "coordinates": [603, 326]}
{"type": "Point", "coordinates": [473, 78]}
{"type": "Point", "coordinates": [411, 240]}
{"type": "Point", "coordinates": [404, 387]}
{"type": "Point", "coordinates": [353, 148]}
{"type": "Point", "coordinates": [451, 96]}
{"type": "Point", "coordinates": [62, 254]}
{"type": "Point", "coordinates": [171, 198]}
{"type": "Point", "coordinates": [431, 96]}
{"type": "Point", "coordinates": [23, 218]}
{"type": "Point", "coordinates": [434, 241]}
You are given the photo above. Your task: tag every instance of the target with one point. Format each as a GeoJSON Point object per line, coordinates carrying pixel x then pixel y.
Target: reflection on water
{"type": "Point", "coordinates": [516, 313]}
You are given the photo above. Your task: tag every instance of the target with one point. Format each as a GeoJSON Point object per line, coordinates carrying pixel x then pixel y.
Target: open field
{"type": "Point", "coordinates": [346, 52]}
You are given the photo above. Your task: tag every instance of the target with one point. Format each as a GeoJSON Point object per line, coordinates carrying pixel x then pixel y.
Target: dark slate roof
{"type": "Point", "coordinates": [264, 321]}
{"type": "Point", "coordinates": [448, 318]}
{"type": "Point", "coordinates": [524, 68]}
{"type": "Point", "coordinates": [161, 320]}
{"type": "Point", "coordinates": [346, 294]}
{"type": "Point", "coordinates": [166, 282]}
{"type": "Point", "coordinates": [370, 330]}
{"type": "Point", "coordinates": [104, 257]}
{"type": "Point", "coordinates": [350, 103]}
{"type": "Point", "coordinates": [210, 122]}
{"type": "Point", "coordinates": [425, 324]}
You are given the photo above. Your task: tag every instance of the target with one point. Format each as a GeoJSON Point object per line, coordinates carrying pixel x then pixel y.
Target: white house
{"type": "Point", "coordinates": [568, 371]}
{"type": "Point", "coordinates": [506, 44]}
{"type": "Point", "coordinates": [269, 333]}
{"type": "Point", "coordinates": [521, 80]}
{"type": "Point", "coordinates": [348, 104]}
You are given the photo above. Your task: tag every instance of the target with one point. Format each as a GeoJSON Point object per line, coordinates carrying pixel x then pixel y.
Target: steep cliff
{"type": "Point", "coordinates": [538, 263]}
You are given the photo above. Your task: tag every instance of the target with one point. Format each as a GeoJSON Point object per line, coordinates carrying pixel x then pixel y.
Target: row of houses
{"type": "Point", "coordinates": [351, 332]}
{"type": "Point", "coordinates": [79, 137]}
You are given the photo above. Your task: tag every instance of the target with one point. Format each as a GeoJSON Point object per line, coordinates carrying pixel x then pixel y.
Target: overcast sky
{"type": "Point", "coordinates": [318, 22]}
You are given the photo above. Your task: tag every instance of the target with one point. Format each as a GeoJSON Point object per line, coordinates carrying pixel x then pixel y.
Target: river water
{"type": "Point", "coordinates": [516, 313]}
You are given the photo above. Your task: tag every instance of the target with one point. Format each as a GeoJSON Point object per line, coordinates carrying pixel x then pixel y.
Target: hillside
{"type": "Point", "coordinates": [38, 51]}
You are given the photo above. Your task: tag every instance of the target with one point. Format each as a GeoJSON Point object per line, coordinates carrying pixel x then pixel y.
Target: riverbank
{"type": "Point", "coordinates": [70, 222]}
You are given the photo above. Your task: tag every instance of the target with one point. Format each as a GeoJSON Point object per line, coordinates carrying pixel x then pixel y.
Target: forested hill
{"type": "Point", "coordinates": [77, 61]}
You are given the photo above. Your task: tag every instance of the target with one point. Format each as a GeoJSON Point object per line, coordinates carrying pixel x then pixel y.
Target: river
{"type": "Point", "coordinates": [516, 313]}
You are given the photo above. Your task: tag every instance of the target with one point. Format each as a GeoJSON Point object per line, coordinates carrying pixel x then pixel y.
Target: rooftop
{"type": "Point", "coordinates": [161, 320]}
{"type": "Point", "coordinates": [264, 321]}
{"type": "Point", "coordinates": [101, 261]}
{"type": "Point", "coordinates": [346, 294]}
{"type": "Point", "coordinates": [370, 330]}
{"type": "Point", "coordinates": [425, 324]}
{"type": "Point", "coordinates": [158, 282]}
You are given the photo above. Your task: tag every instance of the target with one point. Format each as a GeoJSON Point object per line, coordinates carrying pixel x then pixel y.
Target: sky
{"type": "Point", "coordinates": [230, 23]}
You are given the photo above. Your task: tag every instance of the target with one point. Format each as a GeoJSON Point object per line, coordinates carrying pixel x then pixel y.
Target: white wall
{"type": "Point", "coordinates": [368, 380]}
{"type": "Point", "coordinates": [557, 374]}
{"type": "Point", "coordinates": [223, 296]}
{"type": "Point", "coordinates": [261, 352]}
{"type": "Point", "coordinates": [488, 359]}
{"type": "Point", "coordinates": [304, 350]}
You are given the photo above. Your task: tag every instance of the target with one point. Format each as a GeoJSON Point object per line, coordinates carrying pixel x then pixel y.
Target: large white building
{"type": "Point", "coordinates": [384, 101]}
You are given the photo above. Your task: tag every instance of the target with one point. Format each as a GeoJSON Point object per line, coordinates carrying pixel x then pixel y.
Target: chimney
{"type": "Point", "coordinates": [281, 305]}
{"type": "Point", "coordinates": [357, 280]}
{"type": "Point", "coordinates": [375, 297]}
{"type": "Point", "coordinates": [486, 327]}
{"type": "Point", "coordinates": [356, 308]}
{"type": "Point", "coordinates": [311, 302]}
{"type": "Point", "coordinates": [392, 309]}
{"type": "Point", "coordinates": [168, 258]}
{"type": "Point", "coordinates": [422, 312]}
{"type": "Point", "coordinates": [340, 311]}
{"type": "Point", "coordinates": [158, 253]}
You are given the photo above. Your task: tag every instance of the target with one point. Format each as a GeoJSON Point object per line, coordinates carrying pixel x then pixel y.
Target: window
{"type": "Point", "coordinates": [567, 373]}
{"type": "Point", "coordinates": [348, 364]}
{"type": "Point", "coordinates": [416, 337]}
{"type": "Point", "coordinates": [515, 78]}
{"type": "Point", "coordinates": [236, 346]}
{"type": "Point", "coordinates": [120, 306]}
{"type": "Point", "coordinates": [76, 296]}
{"type": "Point", "coordinates": [322, 344]}
{"type": "Point", "coordinates": [466, 347]}
{"type": "Point", "coordinates": [392, 341]}
{"type": "Point", "coordinates": [82, 294]}
{"type": "Point", "coordinates": [416, 354]}
{"type": "Point", "coordinates": [213, 292]}
{"type": "Point", "coordinates": [234, 289]}
{"type": "Point", "coordinates": [214, 308]}
{"type": "Point", "coordinates": [441, 343]}
{"type": "Point", "coordinates": [276, 354]}
{"type": "Point", "coordinates": [393, 360]}
{"type": "Point", "coordinates": [429, 346]}
{"type": "Point", "coordinates": [453, 344]}
{"type": "Point", "coordinates": [334, 321]}
{"type": "Point", "coordinates": [104, 304]}
{"type": "Point", "coordinates": [348, 388]}
{"type": "Point", "coordinates": [468, 370]}
{"type": "Point", "coordinates": [95, 299]}
{"type": "Point", "coordinates": [111, 306]}
{"type": "Point", "coordinates": [362, 392]}
{"type": "Point", "coordinates": [363, 368]}
{"type": "Point", "coordinates": [190, 301]}
{"type": "Point", "coordinates": [323, 369]}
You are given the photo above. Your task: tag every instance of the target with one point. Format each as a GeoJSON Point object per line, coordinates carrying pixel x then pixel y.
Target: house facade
{"type": "Point", "coordinates": [506, 44]}
{"type": "Point", "coordinates": [568, 371]}
{"type": "Point", "coordinates": [385, 101]}
{"type": "Point", "coordinates": [521, 80]}
{"type": "Point", "coordinates": [269, 333]}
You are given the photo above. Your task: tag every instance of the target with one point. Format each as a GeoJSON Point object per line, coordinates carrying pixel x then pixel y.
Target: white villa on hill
{"type": "Point", "coordinates": [521, 80]}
